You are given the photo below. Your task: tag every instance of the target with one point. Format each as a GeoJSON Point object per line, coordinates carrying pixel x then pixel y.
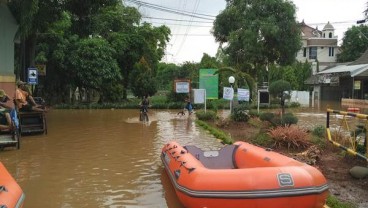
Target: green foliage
{"type": "Point", "coordinates": [276, 120]}
{"type": "Point", "coordinates": [266, 116]}
{"type": "Point", "coordinates": [142, 81]}
{"type": "Point", "coordinates": [289, 119]}
{"type": "Point", "coordinates": [165, 76]}
{"type": "Point", "coordinates": [263, 139]}
{"type": "Point", "coordinates": [242, 79]}
{"type": "Point", "coordinates": [258, 32]}
{"type": "Point", "coordinates": [240, 113]}
{"type": "Point", "coordinates": [254, 113]}
{"type": "Point", "coordinates": [93, 64]}
{"type": "Point", "coordinates": [319, 141]}
{"type": "Point", "coordinates": [294, 105]}
{"type": "Point", "coordinates": [226, 139]}
{"type": "Point", "coordinates": [319, 131]}
{"type": "Point", "coordinates": [333, 202]}
{"type": "Point", "coordinates": [206, 115]}
{"type": "Point", "coordinates": [354, 43]}
{"type": "Point", "coordinates": [277, 88]}
{"type": "Point", "coordinates": [177, 97]}
{"type": "Point", "coordinates": [112, 92]}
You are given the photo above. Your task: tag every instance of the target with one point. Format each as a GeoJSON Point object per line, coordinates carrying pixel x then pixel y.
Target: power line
{"type": "Point", "coordinates": [176, 20]}
{"type": "Point", "coordinates": [165, 9]}
{"type": "Point", "coordinates": [165, 23]}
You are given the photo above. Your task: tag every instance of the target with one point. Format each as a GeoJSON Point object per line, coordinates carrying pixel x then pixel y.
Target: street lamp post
{"type": "Point", "coordinates": [231, 81]}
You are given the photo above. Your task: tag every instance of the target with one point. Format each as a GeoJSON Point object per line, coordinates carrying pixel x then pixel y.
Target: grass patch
{"type": "Point", "coordinates": [333, 202]}
{"type": "Point", "coordinates": [263, 139]}
{"type": "Point", "coordinates": [225, 138]}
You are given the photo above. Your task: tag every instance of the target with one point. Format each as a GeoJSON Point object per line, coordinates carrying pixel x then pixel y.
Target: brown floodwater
{"type": "Point", "coordinates": [107, 158]}
{"type": "Point", "coordinates": [101, 158]}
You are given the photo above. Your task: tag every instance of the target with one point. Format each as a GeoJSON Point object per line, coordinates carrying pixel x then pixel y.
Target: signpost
{"type": "Point", "coordinates": [209, 81]}
{"type": "Point", "coordinates": [32, 76]}
{"type": "Point", "coordinates": [182, 86]}
{"type": "Point", "coordinates": [199, 97]}
{"type": "Point", "coordinates": [243, 94]}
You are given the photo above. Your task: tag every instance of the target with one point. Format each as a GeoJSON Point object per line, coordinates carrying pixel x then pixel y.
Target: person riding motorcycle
{"type": "Point", "coordinates": [144, 104]}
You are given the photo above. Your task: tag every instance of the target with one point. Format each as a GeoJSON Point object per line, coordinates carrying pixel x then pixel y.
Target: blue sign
{"type": "Point", "coordinates": [32, 76]}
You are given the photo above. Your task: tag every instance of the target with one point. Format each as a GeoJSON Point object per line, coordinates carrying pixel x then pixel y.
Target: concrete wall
{"type": "Point", "coordinates": [301, 97]}
{"type": "Point", "coordinates": [8, 29]}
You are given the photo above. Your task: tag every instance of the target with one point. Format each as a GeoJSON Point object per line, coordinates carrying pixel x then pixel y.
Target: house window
{"type": "Point", "coordinates": [312, 52]}
{"type": "Point", "coordinates": [330, 35]}
{"type": "Point", "coordinates": [304, 52]}
{"type": "Point", "coordinates": [331, 51]}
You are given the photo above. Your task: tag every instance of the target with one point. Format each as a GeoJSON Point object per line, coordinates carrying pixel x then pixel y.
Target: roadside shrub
{"type": "Point", "coordinates": [254, 113]}
{"type": "Point", "coordinates": [319, 141]}
{"type": "Point", "coordinates": [240, 113]}
{"type": "Point", "coordinates": [289, 136]}
{"type": "Point", "coordinates": [294, 104]}
{"type": "Point", "coordinates": [266, 116]}
{"type": "Point", "coordinates": [289, 119]}
{"type": "Point", "coordinates": [263, 139]}
{"type": "Point", "coordinates": [206, 116]}
{"type": "Point", "coordinates": [276, 120]}
{"type": "Point", "coordinates": [319, 131]}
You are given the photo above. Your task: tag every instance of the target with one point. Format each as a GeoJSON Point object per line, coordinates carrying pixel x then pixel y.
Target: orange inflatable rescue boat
{"type": "Point", "coordinates": [11, 195]}
{"type": "Point", "coordinates": [242, 175]}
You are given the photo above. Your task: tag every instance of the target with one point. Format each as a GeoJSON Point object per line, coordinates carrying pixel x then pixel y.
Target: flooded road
{"type": "Point", "coordinates": [107, 158]}
{"type": "Point", "coordinates": [101, 158]}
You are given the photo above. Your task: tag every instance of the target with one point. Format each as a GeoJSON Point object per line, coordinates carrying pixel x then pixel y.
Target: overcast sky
{"type": "Point", "coordinates": [191, 36]}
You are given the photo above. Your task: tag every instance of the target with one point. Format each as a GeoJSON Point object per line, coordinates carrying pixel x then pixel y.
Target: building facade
{"type": "Point", "coordinates": [8, 29]}
{"type": "Point", "coordinates": [318, 46]}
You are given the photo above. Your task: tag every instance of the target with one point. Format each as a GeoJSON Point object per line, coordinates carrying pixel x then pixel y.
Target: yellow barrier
{"type": "Point", "coordinates": [352, 140]}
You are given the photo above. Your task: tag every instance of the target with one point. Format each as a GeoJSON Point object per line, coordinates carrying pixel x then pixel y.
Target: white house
{"type": "Point", "coordinates": [318, 45]}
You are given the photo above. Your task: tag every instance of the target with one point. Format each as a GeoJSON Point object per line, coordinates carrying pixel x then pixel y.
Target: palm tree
{"type": "Point", "coordinates": [242, 79]}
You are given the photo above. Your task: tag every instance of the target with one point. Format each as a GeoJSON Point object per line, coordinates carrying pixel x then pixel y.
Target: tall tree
{"type": "Point", "coordinates": [93, 64]}
{"type": "Point", "coordinates": [83, 12]}
{"type": "Point", "coordinates": [131, 39]}
{"type": "Point", "coordinates": [354, 43]}
{"type": "Point", "coordinates": [258, 32]}
{"type": "Point", "coordinates": [34, 17]}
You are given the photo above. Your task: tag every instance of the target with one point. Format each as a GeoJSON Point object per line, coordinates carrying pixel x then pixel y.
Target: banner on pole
{"type": "Point", "coordinates": [199, 96]}
{"type": "Point", "coordinates": [228, 93]}
{"type": "Point", "coordinates": [243, 94]}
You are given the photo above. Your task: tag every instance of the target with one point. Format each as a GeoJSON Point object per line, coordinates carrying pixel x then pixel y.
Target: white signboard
{"type": "Point", "coordinates": [243, 94]}
{"type": "Point", "coordinates": [182, 87]}
{"type": "Point", "coordinates": [228, 93]}
{"type": "Point", "coordinates": [199, 96]}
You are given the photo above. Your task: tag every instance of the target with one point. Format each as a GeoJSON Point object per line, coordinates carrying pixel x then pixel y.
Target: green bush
{"type": "Point", "coordinates": [294, 105]}
{"type": "Point", "coordinates": [319, 131]}
{"type": "Point", "coordinates": [266, 116]}
{"type": "Point", "coordinates": [320, 142]}
{"type": "Point", "coordinates": [289, 119]}
{"type": "Point", "coordinates": [206, 116]}
{"type": "Point", "coordinates": [263, 139]}
{"type": "Point", "coordinates": [254, 113]}
{"type": "Point", "coordinates": [240, 113]}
